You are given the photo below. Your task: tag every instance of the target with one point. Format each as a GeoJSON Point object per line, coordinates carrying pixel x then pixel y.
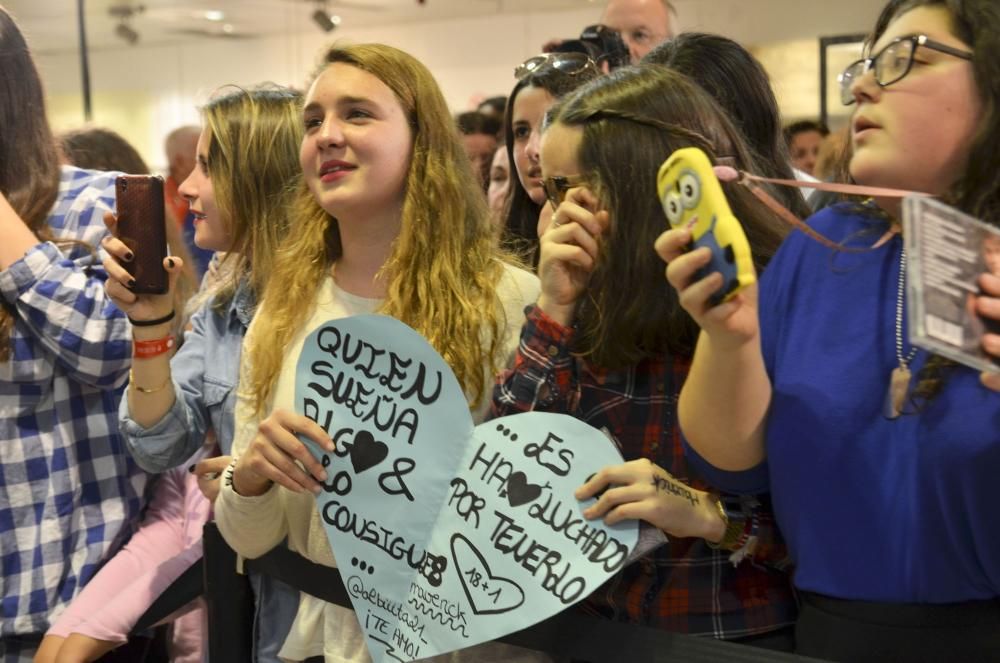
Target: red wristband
{"type": "Point", "coordinates": [147, 349]}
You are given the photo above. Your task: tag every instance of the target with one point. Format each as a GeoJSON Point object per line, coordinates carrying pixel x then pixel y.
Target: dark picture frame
{"type": "Point", "coordinates": [835, 53]}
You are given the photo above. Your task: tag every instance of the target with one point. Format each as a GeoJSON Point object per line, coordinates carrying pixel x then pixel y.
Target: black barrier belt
{"type": "Point", "coordinates": [567, 635]}
{"type": "Point", "coordinates": [186, 588]}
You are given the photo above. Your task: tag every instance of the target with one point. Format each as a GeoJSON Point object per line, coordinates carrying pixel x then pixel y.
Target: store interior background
{"type": "Point", "coordinates": [187, 49]}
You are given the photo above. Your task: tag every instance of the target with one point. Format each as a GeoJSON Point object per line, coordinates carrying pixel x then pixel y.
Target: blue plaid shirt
{"type": "Point", "coordinates": [69, 490]}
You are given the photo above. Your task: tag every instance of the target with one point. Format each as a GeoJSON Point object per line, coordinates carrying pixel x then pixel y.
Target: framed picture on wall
{"type": "Point", "coordinates": [835, 54]}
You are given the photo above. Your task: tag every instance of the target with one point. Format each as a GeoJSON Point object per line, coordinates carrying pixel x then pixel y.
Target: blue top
{"type": "Point", "coordinates": [872, 509]}
{"type": "Point", "coordinates": [69, 491]}
{"type": "Point", "coordinates": [205, 371]}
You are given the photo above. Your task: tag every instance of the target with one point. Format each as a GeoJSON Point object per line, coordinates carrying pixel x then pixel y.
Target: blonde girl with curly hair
{"type": "Point", "coordinates": [389, 219]}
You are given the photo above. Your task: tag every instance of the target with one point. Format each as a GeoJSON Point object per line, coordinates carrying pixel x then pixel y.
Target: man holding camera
{"type": "Point", "coordinates": [643, 24]}
{"type": "Point", "coordinates": [633, 25]}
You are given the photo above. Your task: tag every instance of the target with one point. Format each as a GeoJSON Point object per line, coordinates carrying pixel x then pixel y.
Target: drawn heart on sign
{"type": "Point", "coordinates": [367, 452]}
{"type": "Point", "coordinates": [483, 589]}
{"type": "Point", "coordinates": [519, 491]}
{"type": "Point", "coordinates": [492, 540]}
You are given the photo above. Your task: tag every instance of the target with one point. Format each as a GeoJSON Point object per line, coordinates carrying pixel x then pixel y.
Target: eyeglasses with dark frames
{"type": "Point", "coordinates": [557, 186]}
{"type": "Point", "coordinates": [571, 64]}
{"type": "Point", "coordinates": [892, 63]}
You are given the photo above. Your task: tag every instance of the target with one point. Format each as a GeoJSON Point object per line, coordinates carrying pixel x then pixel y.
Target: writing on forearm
{"type": "Point", "coordinates": [663, 484]}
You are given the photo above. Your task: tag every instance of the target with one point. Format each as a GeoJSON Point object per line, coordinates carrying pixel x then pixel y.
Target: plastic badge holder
{"type": "Point", "coordinates": [692, 197]}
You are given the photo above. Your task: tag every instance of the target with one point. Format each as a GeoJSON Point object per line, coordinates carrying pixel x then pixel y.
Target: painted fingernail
{"type": "Point", "coordinates": [129, 256]}
{"type": "Point", "coordinates": [131, 283]}
{"type": "Point", "coordinates": [191, 468]}
{"type": "Point", "coordinates": [170, 263]}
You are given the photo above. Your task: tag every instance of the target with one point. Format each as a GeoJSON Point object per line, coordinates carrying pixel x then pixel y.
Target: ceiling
{"type": "Point", "coordinates": [51, 25]}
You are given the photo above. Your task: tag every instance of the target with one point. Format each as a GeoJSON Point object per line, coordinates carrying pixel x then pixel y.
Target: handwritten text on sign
{"type": "Point", "coordinates": [447, 534]}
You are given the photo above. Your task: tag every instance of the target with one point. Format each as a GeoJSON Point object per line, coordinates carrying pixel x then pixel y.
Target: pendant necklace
{"type": "Point", "coordinates": [899, 380]}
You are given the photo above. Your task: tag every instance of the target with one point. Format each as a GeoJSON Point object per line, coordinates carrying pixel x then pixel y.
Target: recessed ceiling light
{"type": "Point", "coordinates": [214, 15]}
{"type": "Point", "coordinates": [228, 28]}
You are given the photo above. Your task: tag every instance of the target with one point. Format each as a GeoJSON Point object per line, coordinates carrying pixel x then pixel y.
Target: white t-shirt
{"type": "Point", "coordinates": [253, 525]}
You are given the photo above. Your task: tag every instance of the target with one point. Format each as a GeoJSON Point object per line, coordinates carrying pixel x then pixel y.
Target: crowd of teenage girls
{"type": "Point", "coordinates": [815, 516]}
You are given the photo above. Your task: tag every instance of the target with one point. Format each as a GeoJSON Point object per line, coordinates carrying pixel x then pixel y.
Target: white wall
{"type": "Point", "coordinates": [143, 92]}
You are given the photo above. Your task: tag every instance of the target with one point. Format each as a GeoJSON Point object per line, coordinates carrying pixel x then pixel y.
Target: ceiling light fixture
{"type": "Point", "coordinates": [326, 21]}
{"type": "Point", "coordinates": [124, 14]}
{"type": "Point", "coordinates": [123, 31]}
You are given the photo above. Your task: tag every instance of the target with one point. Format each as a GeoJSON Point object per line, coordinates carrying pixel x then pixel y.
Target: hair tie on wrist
{"type": "Point", "coordinates": [152, 323]}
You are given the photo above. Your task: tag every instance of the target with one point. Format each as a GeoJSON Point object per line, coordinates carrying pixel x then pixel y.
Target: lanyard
{"type": "Point", "coordinates": [729, 174]}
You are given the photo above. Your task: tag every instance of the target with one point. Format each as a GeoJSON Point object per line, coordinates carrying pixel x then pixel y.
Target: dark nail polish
{"type": "Point", "coordinates": [170, 263]}
{"type": "Point", "coordinates": [191, 468]}
{"type": "Point", "coordinates": [131, 283]}
{"type": "Point", "coordinates": [129, 256]}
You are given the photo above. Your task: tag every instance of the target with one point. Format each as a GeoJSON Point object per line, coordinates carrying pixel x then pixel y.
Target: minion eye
{"type": "Point", "coordinates": [673, 207]}
{"type": "Point", "coordinates": [690, 190]}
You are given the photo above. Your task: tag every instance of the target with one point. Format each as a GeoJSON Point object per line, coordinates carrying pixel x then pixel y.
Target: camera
{"type": "Point", "coordinates": [600, 43]}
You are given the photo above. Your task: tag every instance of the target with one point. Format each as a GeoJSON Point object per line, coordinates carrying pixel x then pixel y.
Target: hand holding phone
{"type": "Point", "coordinates": [692, 197]}
{"type": "Point", "coordinates": [141, 226]}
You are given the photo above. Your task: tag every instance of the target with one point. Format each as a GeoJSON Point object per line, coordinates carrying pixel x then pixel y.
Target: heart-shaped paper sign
{"type": "Point", "coordinates": [447, 535]}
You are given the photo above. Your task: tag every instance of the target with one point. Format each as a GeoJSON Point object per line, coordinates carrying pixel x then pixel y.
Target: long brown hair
{"type": "Point", "coordinates": [29, 158]}
{"type": "Point", "coordinates": [632, 120]}
{"type": "Point", "coordinates": [520, 228]}
{"type": "Point", "coordinates": [444, 267]}
{"type": "Point", "coordinates": [739, 83]}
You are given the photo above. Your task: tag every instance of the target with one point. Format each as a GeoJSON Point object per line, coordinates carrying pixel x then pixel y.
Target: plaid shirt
{"type": "Point", "coordinates": [68, 488]}
{"type": "Point", "coordinates": [685, 586]}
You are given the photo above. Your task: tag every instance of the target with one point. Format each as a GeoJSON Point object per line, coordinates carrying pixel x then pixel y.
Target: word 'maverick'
{"type": "Point", "coordinates": [446, 534]}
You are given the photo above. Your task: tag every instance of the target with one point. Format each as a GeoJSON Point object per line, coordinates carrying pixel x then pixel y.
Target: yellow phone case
{"type": "Point", "coordinates": [692, 196]}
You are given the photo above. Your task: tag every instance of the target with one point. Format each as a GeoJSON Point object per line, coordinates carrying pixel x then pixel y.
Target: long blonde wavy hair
{"type": "Point", "coordinates": [444, 266]}
{"type": "Point", "coordinates": [253, 162]}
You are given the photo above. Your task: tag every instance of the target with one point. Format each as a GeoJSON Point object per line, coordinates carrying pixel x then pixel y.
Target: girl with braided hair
{"type": "Point", "coordinates": [608, 343]}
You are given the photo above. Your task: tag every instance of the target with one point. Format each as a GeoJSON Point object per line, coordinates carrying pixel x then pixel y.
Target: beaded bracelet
{"type": "Point", "coordinates": [227, 474]}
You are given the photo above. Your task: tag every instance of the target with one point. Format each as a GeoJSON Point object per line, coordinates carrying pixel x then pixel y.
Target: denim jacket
{"type": "Point", "coordinates": [205, 371]}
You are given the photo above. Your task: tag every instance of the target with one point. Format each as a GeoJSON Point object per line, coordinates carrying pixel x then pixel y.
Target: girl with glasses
{"type": "Point", "coordinates": [608, 343]}
{"type": "Point", "coordinates": [542, 80]}
{"type": "Point", "coordinates": [881, 459]}
{"type": "Point", "coordinates": [390, 219]}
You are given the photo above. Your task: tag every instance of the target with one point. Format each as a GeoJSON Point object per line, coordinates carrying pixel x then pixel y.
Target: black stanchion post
{"type": "Point", "coordinates": [84, 60]}
{"type": "Point", "coordinates": [229, 599]}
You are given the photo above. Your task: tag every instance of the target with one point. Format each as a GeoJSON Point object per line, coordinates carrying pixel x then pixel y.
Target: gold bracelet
{"type": "Point", "coordinates": [144, 390]}
{"type": "Point", "coordinates": [733, 528]}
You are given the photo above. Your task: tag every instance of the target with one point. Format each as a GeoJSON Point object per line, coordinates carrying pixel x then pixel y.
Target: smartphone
{"type": "Point", "coordinates": [142, 228]}
{"type": "Point", "coordinates": [692, 196]}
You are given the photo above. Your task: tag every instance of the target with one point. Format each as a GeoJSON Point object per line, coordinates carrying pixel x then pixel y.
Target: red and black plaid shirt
{"type": "Point", "coordinates": [685, 586]}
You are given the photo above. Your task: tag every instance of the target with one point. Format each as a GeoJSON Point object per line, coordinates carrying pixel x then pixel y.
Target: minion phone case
{"type": "Point", "coordinates": [692, 196]}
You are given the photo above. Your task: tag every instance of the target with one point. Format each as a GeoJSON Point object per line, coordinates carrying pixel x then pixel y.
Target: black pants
{"type": "Point", "coordinates": [860, 631]}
